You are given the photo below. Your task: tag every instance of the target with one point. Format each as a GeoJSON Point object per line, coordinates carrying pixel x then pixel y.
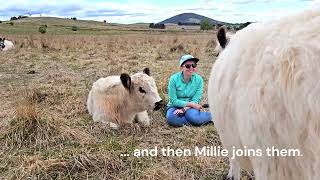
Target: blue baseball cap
{"type": "Point", "coordinates": [187, 57]}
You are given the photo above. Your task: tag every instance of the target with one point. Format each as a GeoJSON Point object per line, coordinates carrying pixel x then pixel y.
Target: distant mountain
{"type": "Point", "coordinates": [189, 18]}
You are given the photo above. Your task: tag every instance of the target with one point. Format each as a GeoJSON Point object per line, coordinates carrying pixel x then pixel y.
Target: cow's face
{"type": "Point", "coordinates": [143, 90]}
{"type": "Point", "coordinates": [2, 46]}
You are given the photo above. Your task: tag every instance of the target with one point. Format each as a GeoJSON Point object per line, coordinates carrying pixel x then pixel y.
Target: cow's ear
{"type": "Point", "coordinates": [0, 39]}
{"type": "Point", "coordinates": [222, 38]}
{"type": "Point", "coordinates": [126, 81]}
{"type": "Point", "coordinates": [146, 71]}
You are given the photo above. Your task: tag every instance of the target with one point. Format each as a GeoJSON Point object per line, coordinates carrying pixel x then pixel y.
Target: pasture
{"type": "Point", "coordinates": [46, 131]}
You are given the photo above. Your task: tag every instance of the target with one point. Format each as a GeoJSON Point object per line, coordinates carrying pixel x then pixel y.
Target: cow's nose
{"type": "Point", "coordinates": [158, 105]}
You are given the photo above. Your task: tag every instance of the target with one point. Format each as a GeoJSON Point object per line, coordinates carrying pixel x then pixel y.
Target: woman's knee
{"type": "Point", "coordinates": [192, 114]}
{"type": "Point", "coordinates": [197, 118]}
{"type": "Point", "coordinates": [170, 118]}
{"type": "Point", "coordinates": [176, 121]}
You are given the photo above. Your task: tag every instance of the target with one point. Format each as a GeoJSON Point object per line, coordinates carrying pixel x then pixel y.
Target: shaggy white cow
{"type": "Point", "coordinates": [5, 45]}
{"type": "Point", "coordinates": [264, 91]}
{"type": "Point", "coordinates": [119, 100]}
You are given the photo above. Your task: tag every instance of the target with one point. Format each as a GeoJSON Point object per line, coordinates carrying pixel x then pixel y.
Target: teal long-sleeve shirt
{"type": "Point", "coordinates": [180, 92]}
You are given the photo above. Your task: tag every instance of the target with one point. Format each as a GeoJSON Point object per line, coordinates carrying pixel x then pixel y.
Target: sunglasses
{"type": "Point", "coordinates": [188, 66]}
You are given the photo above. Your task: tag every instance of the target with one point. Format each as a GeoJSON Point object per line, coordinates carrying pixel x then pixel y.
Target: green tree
{"type": "Point", "coordinates": [43, 29]}
{"type": "Point", "coordinates": [74, 28]}
{"type": "Point", "coordinates": [205, 25]}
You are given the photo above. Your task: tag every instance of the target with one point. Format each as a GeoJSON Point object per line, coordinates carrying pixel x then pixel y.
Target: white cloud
{"type": "Point", "coordinates": [68, 8]}
{"type": "Point", "coordinates": [143, 11]}
{"type": "Point", "coordinates": [313, 3]}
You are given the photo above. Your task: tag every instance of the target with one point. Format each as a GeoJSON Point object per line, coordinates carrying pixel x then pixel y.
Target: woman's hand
{"type": "Point", "coordinates": [194, 105]}
{"type": "Point", "coordinates": [197, 106]}
{"type": "Point", "coordinates": [178, 111]}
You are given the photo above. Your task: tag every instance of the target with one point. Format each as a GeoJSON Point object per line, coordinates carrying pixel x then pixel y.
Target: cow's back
{"type": "Point", "coordinates": [105, 84]}
{"type": "Point", "coordinates": [8, 45]}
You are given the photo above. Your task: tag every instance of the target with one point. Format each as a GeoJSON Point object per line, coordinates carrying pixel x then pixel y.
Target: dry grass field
{"type": "Point", "coordinates": [45, 129]}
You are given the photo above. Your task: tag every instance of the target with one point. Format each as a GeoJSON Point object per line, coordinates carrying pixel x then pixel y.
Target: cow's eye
{"type": "Point", "coordinates": [142, 90]}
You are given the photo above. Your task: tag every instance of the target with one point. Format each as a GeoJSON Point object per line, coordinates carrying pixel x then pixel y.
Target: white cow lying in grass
{"type": "Point", "coordinates": [119, 100]}
{"type": "Point", "coordinates": [5, 45]}
{"type": "Point", "coordinates": [264, 91]}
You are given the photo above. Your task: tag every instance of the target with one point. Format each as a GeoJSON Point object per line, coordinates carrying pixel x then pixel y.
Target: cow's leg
{"type": "Point", "coordinates": [99, 114]}
{"type": "Point", "coordinates": [143, 118]}
{"type": "Point", "coordinates": [98, 118]}
{"type": "Point", "coordinates": [113, 125]}
{"type": "Point", "coordinates": [234, 171]}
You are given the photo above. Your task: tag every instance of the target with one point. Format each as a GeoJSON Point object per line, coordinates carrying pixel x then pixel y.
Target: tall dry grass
{"type": "Point", "coordinates": [47, 133]}
{"type": "Point", "coordinates": [34, 129]}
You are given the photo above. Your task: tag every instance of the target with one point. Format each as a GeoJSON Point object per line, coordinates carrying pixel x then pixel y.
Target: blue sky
{"type": "Point", "coordinates": [134, 11]}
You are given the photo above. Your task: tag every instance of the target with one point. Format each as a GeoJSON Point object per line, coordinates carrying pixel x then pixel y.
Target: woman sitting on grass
{"type": "Point", "coordinates": [185, 91]}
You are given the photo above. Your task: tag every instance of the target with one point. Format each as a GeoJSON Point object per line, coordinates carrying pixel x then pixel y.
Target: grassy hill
{"type": "Point", "coordinates": [190, 18]}
{"type": "Point", "coordinates": [187, 20]}
{"type": "Point", "coordinates": [64, 26]}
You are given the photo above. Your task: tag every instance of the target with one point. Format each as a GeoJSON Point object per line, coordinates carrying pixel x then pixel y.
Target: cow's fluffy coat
{"type": "Point", "coordinates": [5, 44]}
{"type": "Point", "coordinates": [264, 91]}
{"type": "Point", "coordinates": [119, 100]}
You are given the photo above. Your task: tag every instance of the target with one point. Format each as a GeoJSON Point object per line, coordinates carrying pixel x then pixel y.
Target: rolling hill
{"type": "Point", "coordinates": [189, 18]}
{"type": "Point", "coordinates": [57, 25]}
